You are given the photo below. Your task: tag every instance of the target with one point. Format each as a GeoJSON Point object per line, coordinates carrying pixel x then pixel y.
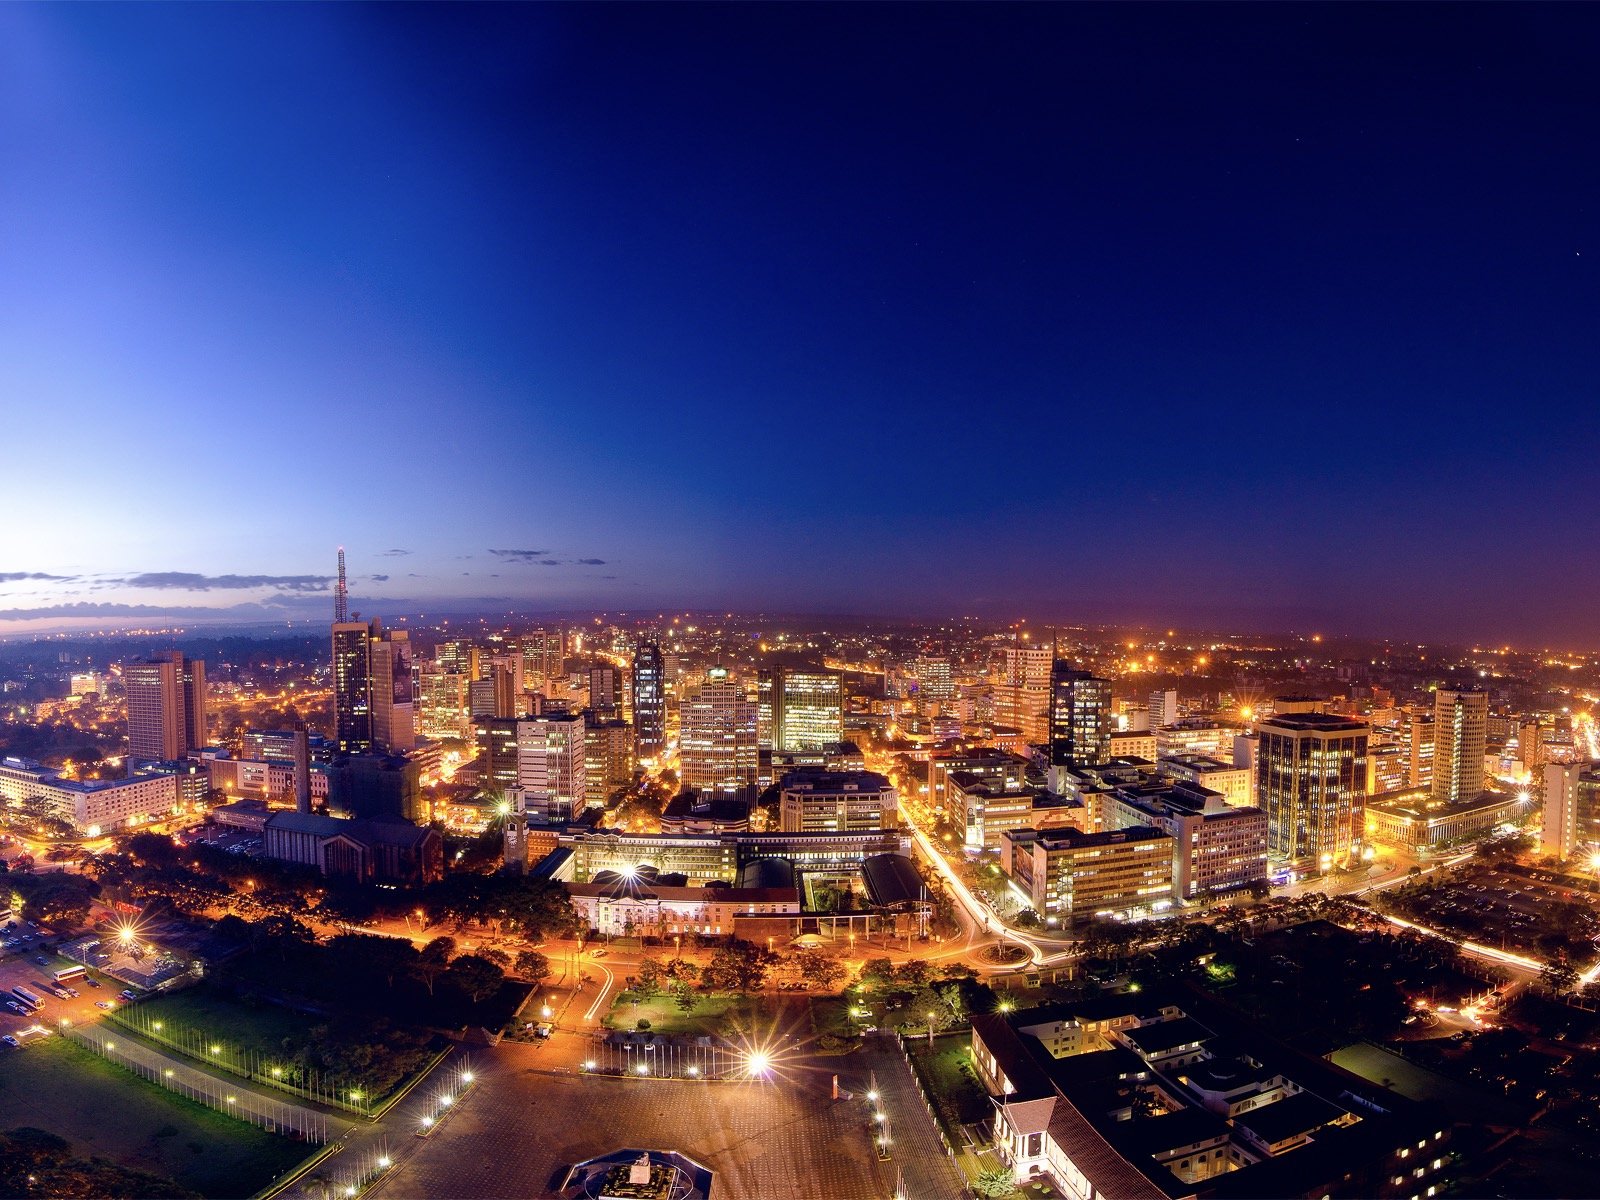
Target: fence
{"type": "Point", "coordinates": [666, 1059]}
{"type": "Point", "coordinates": [272, 1115]}
{"type": "Point", "coordinates": [246, 1063]}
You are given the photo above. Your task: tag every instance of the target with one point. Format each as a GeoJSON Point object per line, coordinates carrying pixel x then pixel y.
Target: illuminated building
{"type": "Point", "coordinates": [1163, 708]}
{"type": "Point", "coordinates": [1080, 716]}
{"type": "Point", "coordinates": [1234, 784]}
{"type": "Point", "coordinates": [813, 800]}
{"type": "Point", "coordinates": [1130, 743]}
{"type": "Point", "coordinates": [497, 752]}
{"type": "Point", "coordinates": [1571, 827]}
{"type": "Point", "coordinates": [442, 703]}
{"type": "Point", "coordinates": [934, 678]}
{"type": "Point", "coordinates": [1419, 745]}
{"type": "Point", "coordinates": [89, 808]}
{"type": "Point", "coordinates": [1195, 735]}
{"type": "Point", "coordinates": [1411, 820]}
{"type": "Point", "coordinates": [543, 657]}
{"type": "Point", "coordinates": [605, 691]}
{"type": "Point", "coordinates": [89, 684]}
{"type": "Point", "coordinates": [1070, 875]}
{"type": "Point", "coordinates": [1022, 691]}
{"type": "Point", "coordinates": [552, 770]}
{"type": "Point", "coordinates": [807, 707]}
{"type": "Point", "coordinates": [393, 704]}
{"type": "Point", "coordinates": [608, 754]}
{"type": "Point", "coordinates": [166, 707]}
{"type": "Point", "coordinates": [717, 748]}
{"type": "Point", "coordinates": [649, 702]}
{"type": "Point", "coordinates": [372, 688]}
{"type": "Point", "coordinates": [352, 686]}
{"type": "Point", "coordinates": [1311, 780]}
{"type": "Point", "coordinates": [997, 768]}
{"type": "Point", "coordinates": [1460, 719]}
{"type": "Point", "coordinates": [1216, 846]}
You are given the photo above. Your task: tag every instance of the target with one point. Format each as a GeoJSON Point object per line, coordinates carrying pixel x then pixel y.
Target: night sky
{"type": "Point", "coordinates": [1266, 317]}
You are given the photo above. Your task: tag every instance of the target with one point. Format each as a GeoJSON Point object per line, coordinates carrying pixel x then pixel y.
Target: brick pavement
{"type": "Point", "coordinates": [780, 1140]}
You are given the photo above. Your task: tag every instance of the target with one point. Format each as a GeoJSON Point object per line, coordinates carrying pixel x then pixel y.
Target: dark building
{"type": "Point", "coordinates": [370, 851]}
{"type": "Point", "coordinates": [1080, 717]}
{"type": "Point", "coordinates": [352, 687]}
{"type": "Point", "coordinates": [649, 701]}
{"type": "Point", "coordinates": [377, 786]}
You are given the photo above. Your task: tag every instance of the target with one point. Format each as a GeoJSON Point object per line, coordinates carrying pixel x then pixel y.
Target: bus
{"type": "Point", "coordinates": [66, 973]}
{"type": "Point", "coordinates": [31, 999]}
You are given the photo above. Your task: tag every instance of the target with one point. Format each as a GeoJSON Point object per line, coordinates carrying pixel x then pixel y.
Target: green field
{"type": "Point", "coordinates": [945, 1073]}
{"type": "Point", "coordinates": [713, 1014]}
{"type": "Point", "coordinates": [260, 1028]}
{"type": "Point", "coordinates": [56, 1085]}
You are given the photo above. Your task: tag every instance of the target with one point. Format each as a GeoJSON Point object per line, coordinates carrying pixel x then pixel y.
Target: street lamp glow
{"type": "Point", "coordinates": [383, 1161]}
{"type": "Point", "coordinates": [588, 1065]}
{"type": "Point", "coordinates": [759, 1062]}
{"type": "Point", "coordinates": [466, 1077]}
{"type": "Point", "coordinates": [644, 1068]}
{"type": "Point", "coordinates": [427, 1122]}
{"type": "Point", "coordinates": [446, 1101]}
{"type": "Point", "coordinates": [693, 1071]}
{"type": "Point", "coordinates": [872, 1097]}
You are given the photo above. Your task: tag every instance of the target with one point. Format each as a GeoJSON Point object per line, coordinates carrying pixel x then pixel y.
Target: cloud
{"type": "Point", "coordinates": [519, 555]}
{"type": "Point", "coordinates": [393, 553]}
{"type": "Point", "coordinates": [13, 576]}
{"type": "Point", "coordinates": [378, 578]}
{"type": "Point", "coordinates": [191, 582]}
{"type": "Point", "coordinates": [591, 562]}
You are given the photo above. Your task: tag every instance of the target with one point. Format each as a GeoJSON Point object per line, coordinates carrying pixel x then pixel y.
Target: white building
{"type": "Point", "coordinates": [90, 808]}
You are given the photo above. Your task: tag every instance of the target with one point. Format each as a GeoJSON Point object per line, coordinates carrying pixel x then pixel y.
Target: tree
{"type": "Point", "coordinates": [817, 969]}
{"type": "Point", "coordinates": [683, 996]}
{"type": "Point", "coordinates": [1558, 975]}
{"type": "Point", "coordinates": [647, 982]}
{"type": "Point", "coordinates": [996, 1182]}
{"type": "Point", "coordinates": [434, 961]}
{"type": "Point", "coordinates": [476, 976]}
{"type": "Point", "coordinates": [739, 966]}
{"type": "Point", "coordinates": [532, 966]}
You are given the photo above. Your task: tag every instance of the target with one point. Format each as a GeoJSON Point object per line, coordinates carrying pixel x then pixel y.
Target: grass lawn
{"type": "Point", "coordinates": [711, 1014]}
{"type": "Point", "coordinates": [262, 1028]}
{"type": "Point", "coordinates": [946, 1075]}
{"type": "Point", "coordinates": [56, 1085]}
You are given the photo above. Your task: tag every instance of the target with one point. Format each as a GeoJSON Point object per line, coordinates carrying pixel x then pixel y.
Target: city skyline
{"type": "Point", "coordinates": [706, 308]}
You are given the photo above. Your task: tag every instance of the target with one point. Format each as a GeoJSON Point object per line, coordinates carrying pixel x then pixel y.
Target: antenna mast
{"type": "Point", "coordinates": [341, 594]}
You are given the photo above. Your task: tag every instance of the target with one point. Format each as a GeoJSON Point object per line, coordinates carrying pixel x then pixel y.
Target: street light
{"type": "Point", "coordinates": [930, 1028]}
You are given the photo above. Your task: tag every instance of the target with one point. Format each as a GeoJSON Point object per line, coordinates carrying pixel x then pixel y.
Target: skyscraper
{"type": "Point", "coordinates": [717, 748]}
{"type": "Point", "coordinates": [372, 689]}
{"type": "Point", "coordinates": [1163, 707]}
{"type": "Point", "coordinates": [1022, 690]}
{"type": "Point", "coordinates": [807, 707]}
{"type": "Point", "coordinates": [1080, 717]}
{"type": "Point", "coordinates": [649, 701]}
{"type": "Point", "coordinates": [552, 769]}
{"type": "Point", "coordinates": [166, 707]}
{"type": "Point", "coordinates": [605, 691]}
{"type": "Point", "coordinates": [1311, 780]}
{"type": "Point", "coordinates": [1460, 727]}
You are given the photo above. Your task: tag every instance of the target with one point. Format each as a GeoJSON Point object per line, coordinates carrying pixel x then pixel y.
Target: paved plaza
{"type": "Point", "coordinates": [526, 1122]}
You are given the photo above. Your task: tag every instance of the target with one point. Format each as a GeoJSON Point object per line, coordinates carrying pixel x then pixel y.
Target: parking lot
{"type": "Point", "coordinates": [1509, 911]}
{"type": "Point", "coordinates": [96, 994]}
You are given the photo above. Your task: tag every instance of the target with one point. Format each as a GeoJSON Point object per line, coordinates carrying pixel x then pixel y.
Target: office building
{"type": "Point", "coordinates": [442, 707]}
{"type": "Point", "coordinates": [605, 691]}
{"type": "Point", "coordinates": [87, 808]}
{"type": "Point", "coordinates": [1080, 717]}
{"type": "Point", "coordinates": [496, 738]}
{"type": "Point", "coordinates": [717, 747]}
{"type": "Point", "coordinates": [1163, 709]}
{"type": "Point", "coordinates": [608, 755]}
{"type": "Point", "coordinates": [998, 769]}
{"type": "Point", "coordinates": [1217, 847]}
{"type": "Point", "coordinates": [552, 765]}
{"type": "Point", "coordinates": [819, 801]}
{"type": "Point", "coordinates": [1311, 781]}
{"type": "Point", "coordinates": [1195, 735]}
{"type": "Point", "coordinates": [543, 658]}
{"type": "Point", "coordinates": [372, 688]}
{"type": "Point", "coordinates": [385, 787]}
{"type": "Point", "coordinates": [1069, 875]}
{"type": "Point", "coordinates": [1460, 718]}
{"type": "Point", "coordinates": [363, 850]}
{"type": "Point", "coordinates": [394, 729]}
{"type": "Point", "coordinates": [806, 708]}
{"type": "Point", "coordinates": [166, 707]}
{"type": "Point", "coordinates": [1235, 784]}
{"type": "Point", "coordinates": [1022, 691]}
{"type": "Point", "coordinates": [649, 702]}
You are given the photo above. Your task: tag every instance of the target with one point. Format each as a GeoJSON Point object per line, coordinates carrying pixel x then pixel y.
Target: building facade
{"type": "Point", "coordinates": [1311, 781]}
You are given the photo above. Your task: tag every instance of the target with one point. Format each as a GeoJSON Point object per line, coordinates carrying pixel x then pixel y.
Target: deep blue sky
{"type": "Point", "coordinates": [1251, 316]}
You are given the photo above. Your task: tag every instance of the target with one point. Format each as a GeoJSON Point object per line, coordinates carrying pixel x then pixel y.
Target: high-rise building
{"type": "Point", "coordinates": [1163, 707]}
{"type": "Point", "coordinates": [552, 771]}
{"type": "Point", "coordinates": [442, 702]}
{"type": "Point", "coordinates": [807, 707]}
{"type": "Point", "coordinates": [497, 751]}
{"type": "Point", "coordinates": [352, 686]}
{"type": "Point", "coordinates": [605, 691]}
{"type": "Point", "coordinates": [649, 701]}
{"type": "Point", "coordinates": [608, 754]}
{"type": "Point", "coordinates": [543, 657]}
{"type": "Point", "coordinates": [1022, 690]}
{"type": "Point", "coordinates": [1460, 720]}
{"type": "Point", "coordinates": [394, 728]}
{"type": "Point", "coordinates": [717, 748]}
{"type": "Point", "coordinates": [373, 705]}
{"type": "Point", "coordinates": [1080, 717]}
{"type": "Point", "coordinates": [1419, 747]}
{"type": "Point", "coordinates": [813, 800]}
{"type": "Point", "coordinates": [1311, 781]}
{"type": "Point", "coordinates": [166, 707]}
